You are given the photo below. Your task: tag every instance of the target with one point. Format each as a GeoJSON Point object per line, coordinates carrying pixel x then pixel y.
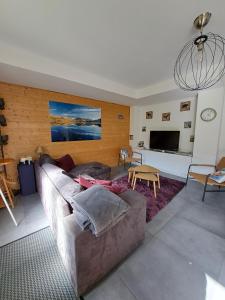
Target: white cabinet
{"type": "Point", "coordinates": [176, 164]}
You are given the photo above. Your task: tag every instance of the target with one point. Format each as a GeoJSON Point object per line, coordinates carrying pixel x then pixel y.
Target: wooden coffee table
{"type": "Point", "coordinates": [145, 169]}
{"type": "Point", "coordinates": [146, 176]}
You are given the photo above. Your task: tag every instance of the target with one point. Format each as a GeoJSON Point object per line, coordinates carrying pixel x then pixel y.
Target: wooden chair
{"type": "Point", "coordinates": [127, 156]}
{"type": "Point", "coordinates": [205, 178]}
{"type": "Point", "coordinates": [5, 185]}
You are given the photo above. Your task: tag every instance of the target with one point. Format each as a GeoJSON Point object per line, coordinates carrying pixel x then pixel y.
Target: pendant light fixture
{"type": "Point", "coordinates": [201, 62]}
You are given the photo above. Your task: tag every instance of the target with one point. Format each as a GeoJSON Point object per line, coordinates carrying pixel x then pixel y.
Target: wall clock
{"type": "Point", "coordinates": [208, 114]}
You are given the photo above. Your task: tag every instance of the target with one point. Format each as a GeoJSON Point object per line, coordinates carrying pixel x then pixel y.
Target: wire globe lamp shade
{"type": "Point", "coordinates": [201, 63]}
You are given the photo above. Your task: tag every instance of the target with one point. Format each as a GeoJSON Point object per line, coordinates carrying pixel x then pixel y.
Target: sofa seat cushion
{"type": "Point", "coordinates": [94, 169]}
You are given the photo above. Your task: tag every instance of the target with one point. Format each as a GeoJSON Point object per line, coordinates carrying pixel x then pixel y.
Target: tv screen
{"type": "Point", "coordinates": [164, 140]}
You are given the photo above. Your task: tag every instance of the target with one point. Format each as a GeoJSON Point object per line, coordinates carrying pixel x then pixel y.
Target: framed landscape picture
{"type": "Point", "coordinates": [74, 122]}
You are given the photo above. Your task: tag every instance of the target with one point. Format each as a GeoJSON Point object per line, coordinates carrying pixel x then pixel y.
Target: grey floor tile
{"type": "Point", "coordinates": [207, 216]}
{"type": "Point", "coordinates": [166, 214]}
{"type": "Point", "coordinates": [29, 214]}
{"type": "Point", "coordinates": [111, 288]}
{"type": "Point", "coordinates": [201, 247]}
{"type": "Point", "coordinates": [159, 273]}
{"type": "Point", "coordinates": [183, 247]}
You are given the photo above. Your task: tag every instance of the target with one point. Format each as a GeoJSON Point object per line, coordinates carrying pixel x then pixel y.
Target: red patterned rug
{"type": "Point", "coordinates": [169, 188]}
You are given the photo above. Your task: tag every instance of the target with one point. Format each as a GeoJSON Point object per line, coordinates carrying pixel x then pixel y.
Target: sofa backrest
{"type": "Point", "coordinates": [65, 185]}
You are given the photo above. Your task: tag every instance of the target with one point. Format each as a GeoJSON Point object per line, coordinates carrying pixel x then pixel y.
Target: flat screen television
{"type": "Point", "coordinates": [164, 140]}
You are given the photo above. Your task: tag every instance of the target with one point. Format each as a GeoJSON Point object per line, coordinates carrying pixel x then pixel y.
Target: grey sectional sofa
{"type": "Point", "coordinates": [87, 258]}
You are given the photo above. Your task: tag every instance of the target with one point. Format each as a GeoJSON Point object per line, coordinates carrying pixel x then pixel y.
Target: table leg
{"type": "Point", "coordinates": [158, 180]}
{"type": "Point", "coordinates": [132, 181]}
{"type": "Point", "coordinates": [7, 206]}
{"type": "Point", "coordinates": [154, 189]}
{"type": "Point", "coordinates": [135, 179]}
{"type": "Point", "coordinates": [129, 176]}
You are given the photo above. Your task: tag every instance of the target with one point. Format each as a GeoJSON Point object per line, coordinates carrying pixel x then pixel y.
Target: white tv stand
{"type": "Point", "coordinates": [171, 162]}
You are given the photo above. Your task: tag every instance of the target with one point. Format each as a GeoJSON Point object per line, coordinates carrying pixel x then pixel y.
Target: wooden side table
{"type": "Point", "coordinates": [146, 176]}
{"type": "Point", "coordinates": [146, 169]}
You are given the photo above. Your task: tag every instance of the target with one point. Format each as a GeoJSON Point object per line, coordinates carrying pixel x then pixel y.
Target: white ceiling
{"type": "Point", "coordinates": [118, 50]}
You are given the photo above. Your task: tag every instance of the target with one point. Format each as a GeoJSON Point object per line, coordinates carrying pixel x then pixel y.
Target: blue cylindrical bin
{"type": "Point", "coordinates": [27, 178]}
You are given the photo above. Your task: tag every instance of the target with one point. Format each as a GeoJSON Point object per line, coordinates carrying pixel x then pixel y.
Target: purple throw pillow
{"type": "Point", "coordinates": [66, 163]}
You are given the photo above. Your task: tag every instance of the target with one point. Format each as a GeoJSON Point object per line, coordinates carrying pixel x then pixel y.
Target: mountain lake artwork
{"type": "Point", "coordinates": [74, 122]}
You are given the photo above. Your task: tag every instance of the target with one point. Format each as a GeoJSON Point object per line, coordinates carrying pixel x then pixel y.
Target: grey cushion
{"type": "Point", "coordinates": [94, 169]}
{"type": "Point", "coordinates": [46, 159]}
{"type": "Point", "coordinates": [99, 208]}
{"type": "Point", "coordinates": [67, 187]}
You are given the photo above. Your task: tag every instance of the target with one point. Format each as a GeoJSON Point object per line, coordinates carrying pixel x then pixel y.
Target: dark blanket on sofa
{"type": "Point", "coordinates": [94, 169]}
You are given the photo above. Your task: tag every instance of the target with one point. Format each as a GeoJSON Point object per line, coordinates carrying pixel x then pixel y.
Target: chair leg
{"type": "Point", "coordinates": [203, 196]}
{"type": "Point", "coordinates": [205, 187]}
{"type": "Point", "coordinates": [187, 179]}
{"type": "Point", "coordinates": [7, 189]}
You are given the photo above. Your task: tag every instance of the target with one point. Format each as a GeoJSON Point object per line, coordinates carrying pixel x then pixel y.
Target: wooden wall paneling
{"type": "Point", "coordinates": [26, 111]}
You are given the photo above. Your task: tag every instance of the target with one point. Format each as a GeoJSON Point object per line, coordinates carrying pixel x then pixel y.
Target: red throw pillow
{"type": "Point", "coordinates": [84, 182]}
{"type": "Point", "coordinates": [66, 163]}
{"type": "Point", "coordinates": [103, 182]}
{"type": "Point", "coordinates": [117, 189]}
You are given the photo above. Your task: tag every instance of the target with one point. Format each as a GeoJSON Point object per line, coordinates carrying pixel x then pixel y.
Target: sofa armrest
{"type": "Point", "coordinates": [134, 199]}
{"type": "Point", "coordinates": [84, 252]}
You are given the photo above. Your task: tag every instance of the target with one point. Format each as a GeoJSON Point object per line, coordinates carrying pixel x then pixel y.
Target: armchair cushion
{"type": "Point", "coordinates": [202, 179]}
{"type": "Point", "coordinates": [218, 176]}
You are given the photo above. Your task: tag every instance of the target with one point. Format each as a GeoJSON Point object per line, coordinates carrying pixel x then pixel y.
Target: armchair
{"type": "Point", "coordinates": [205, 178]}
{"type": "Point", "coordinates": [127, 156]}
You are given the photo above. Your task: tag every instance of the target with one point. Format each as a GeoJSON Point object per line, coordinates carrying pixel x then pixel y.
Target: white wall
{"type": "Point", "coordinates": [135, 125]}
{"type": "Point", "coordinates": [208, 134]}
{"type": "Point", "coordinates": [176, 122]}
{"type": "Point", "coordinates": [221, 149]}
